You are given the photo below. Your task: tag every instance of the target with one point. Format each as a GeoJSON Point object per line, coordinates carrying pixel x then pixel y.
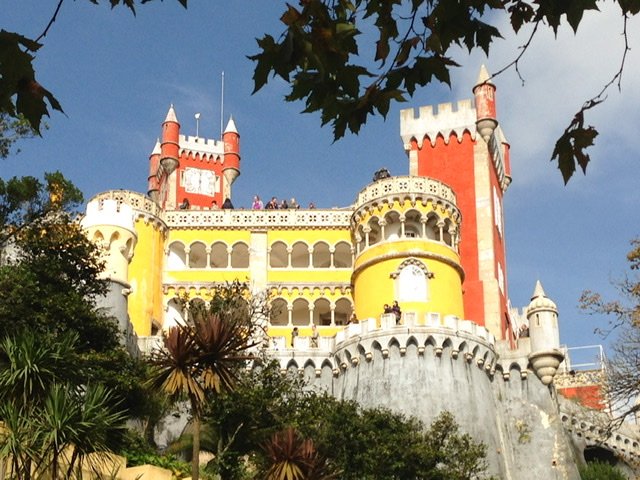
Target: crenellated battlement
{"type": "Point", "coordinates": [206, 146]}
{"type": "Point", "coordinates": [446, 121]}
{"type": "Point", "coordinates": [108, 212]}
{"type": "Point", "coordinates": [135, 200]}
{"type": "Point", "coordinates": [357, 342]}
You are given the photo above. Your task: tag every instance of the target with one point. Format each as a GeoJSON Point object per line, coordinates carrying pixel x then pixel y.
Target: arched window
{"type": "Point", "coordinates": [374, 233]}
{"type": "Point", "coordinates": [300, 255]}
{"type": "Point", "coordinates": [173, 315]}
{"type": "Point", "coordinates": [360, 238]}
{"type": "Point", "coordinates": [278, 257]}
{"type": "Point", "coordinates": [321, 255]}
{"type": "Point", "coordinates": [433, 231]}
{"type": "Point", "coordinates": [411, 281]}
{"type": "Point", "coordinates": [197, 255]}
{"type": "Point", "coordinates": [98, 238]}
{"type": "Point", "coordinates": [392, 227]}
{"type": "Point", "coordinates": [322, 312]}
{"type": "Point", "coordinates": [300, 313]}
{"type": "Point", "coordinates": [240, 256]}
{"type": "Point", "coordinates": [342, 257]}
{"type": "Point", "coordinates": [177, 257]}
{"type": "Point", "coordinates": [114, 238]}
{"type": "Point", "coordinates": [219, 255]}
{"type": "Point", "coordinates": [343, 311]}
{"type": "Point", "coordinates": [279, 313]}
{"type": "Point", "coordinates": [412, 225]}
{"type": "Point", "coordinates": [446, 234]}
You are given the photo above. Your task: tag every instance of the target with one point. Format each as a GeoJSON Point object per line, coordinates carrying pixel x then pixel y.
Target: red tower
{"type": "Point", "coordinates": [465, 148]}
{"type": "Point", "coordinates": [191, 171]}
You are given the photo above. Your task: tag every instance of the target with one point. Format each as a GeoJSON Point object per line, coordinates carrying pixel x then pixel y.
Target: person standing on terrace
{"type": "Point", "coordinates": [257, 203]}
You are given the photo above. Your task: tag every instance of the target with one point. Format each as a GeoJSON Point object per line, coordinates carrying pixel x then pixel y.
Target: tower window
{"type": "Point", "coordinates": [411, 281]}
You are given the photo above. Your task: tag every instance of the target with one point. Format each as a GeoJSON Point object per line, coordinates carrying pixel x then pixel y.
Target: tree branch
{"type": "Point", "coordinates": [51, 22]}
{"type": "Point", "coordinates": [515, 63]}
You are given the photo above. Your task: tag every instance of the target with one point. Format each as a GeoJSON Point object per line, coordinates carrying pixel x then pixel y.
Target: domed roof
{"type": "Point", "coordinates": [540, 301]}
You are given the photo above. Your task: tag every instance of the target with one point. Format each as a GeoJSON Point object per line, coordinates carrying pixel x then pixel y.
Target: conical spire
{"type": "Point", "coordinates": [171, 115]}
{"type": "Point", "coordinates": [538, 291]}
{"type": "Point", "coordinates": [156, 148]}
{"type": "Point", "coordinates": [540, 301]}
{"type": "Point", "coordinates": [231, 126]}
{"type": "Point", "coordinates": [483, 76]}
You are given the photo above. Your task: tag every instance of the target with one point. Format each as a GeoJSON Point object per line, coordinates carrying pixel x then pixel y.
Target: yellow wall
{"type": "Point", "coordinates": [373, 286]}
{"type": "Point", "coordinates": [145, 277]}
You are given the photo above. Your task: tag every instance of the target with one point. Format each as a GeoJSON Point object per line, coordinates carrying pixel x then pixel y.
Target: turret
{"type": "Point", "coordinates": [485, 99]}
{"type": "Point", "coordinates": [170, 146]}
{"type": "Point", "coordinates": [111, 227]}
{"type": "Point", "coordinates": [231, 169]}
{"type": "Point", "coordinates": [542, 315]}
{"type": "Point", "coordinates": [153, 182]}
{"type": "Point", "coordinates": [406, 234]}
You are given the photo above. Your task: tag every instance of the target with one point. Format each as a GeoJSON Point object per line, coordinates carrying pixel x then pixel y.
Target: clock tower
{"type": "Point", "coordinates": [192, 171]}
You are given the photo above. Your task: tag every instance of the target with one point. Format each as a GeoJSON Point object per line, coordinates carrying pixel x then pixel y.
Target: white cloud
{"type": "Point", "coordinates": [559, 75]}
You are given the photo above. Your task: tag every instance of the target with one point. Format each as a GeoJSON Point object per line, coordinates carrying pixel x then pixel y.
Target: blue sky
{"type": "Point", "coordinates": [116, 75]}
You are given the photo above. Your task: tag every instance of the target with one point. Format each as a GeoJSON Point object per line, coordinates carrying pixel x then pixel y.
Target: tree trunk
{"type": "Point", "coordinates": [195, 459]}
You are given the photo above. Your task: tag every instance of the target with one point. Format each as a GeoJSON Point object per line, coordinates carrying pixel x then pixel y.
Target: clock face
{"type": "Point", "coordinates": [203, 182]}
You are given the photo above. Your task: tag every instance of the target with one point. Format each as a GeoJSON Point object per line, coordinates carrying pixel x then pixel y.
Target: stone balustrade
{"type": "Point", "coordinates": [418, 187]}
{"type": "Point", "coordinates": [227, 219]}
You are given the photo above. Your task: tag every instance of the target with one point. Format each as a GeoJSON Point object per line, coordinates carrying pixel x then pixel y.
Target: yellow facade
{"type": "Point", "coordinates": [145, 300]}
{"type": "Point", "coordinates": [319, 267]}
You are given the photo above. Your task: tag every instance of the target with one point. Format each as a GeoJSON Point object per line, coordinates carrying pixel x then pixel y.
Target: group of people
{"type": "Point", "coordinates": [273, 204]}
{"type": "Point", "coordinates": [314, 336]}
{"type": "Point", "coordinates": [395, 309]}
{"type": "Point", "coordinates": [226, 205]}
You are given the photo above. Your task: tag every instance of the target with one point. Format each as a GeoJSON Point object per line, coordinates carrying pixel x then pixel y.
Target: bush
{"type": "Point", "coordinates": [601, 471]}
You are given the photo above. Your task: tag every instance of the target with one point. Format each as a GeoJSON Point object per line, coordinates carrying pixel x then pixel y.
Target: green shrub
{"type": "Point", "coordinates": [601, 471]}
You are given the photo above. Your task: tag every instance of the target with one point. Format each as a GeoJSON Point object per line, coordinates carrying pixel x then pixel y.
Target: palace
{"type": "Point", "coordinates": [432, 240]}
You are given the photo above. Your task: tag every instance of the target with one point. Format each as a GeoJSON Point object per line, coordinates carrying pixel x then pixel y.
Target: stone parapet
{"type": "Point", "coordinates": [256, 219]}
{"type": "Point", "coordinates": [135, 200]}
{"type": "Point", "coordinates": [357, 340]}
{"type": "Point", "coordinates": [417, 189]}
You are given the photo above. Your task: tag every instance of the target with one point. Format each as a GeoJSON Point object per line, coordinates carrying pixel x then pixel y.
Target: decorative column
{"type": "Point", "coordinates": [208, 252]}
{"type": "Point", "coordinates": [440, 226]}
{"type": "Point", "coordinates": [382, 223]}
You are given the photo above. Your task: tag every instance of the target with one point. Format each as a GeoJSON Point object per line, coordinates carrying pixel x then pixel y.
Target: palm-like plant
{"type": "Point", "coordinates": [46, 410]}
{"type": "Point", "coordinates": [291, 457]}
{"type": "Point", "coordinates": [202, 356]}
